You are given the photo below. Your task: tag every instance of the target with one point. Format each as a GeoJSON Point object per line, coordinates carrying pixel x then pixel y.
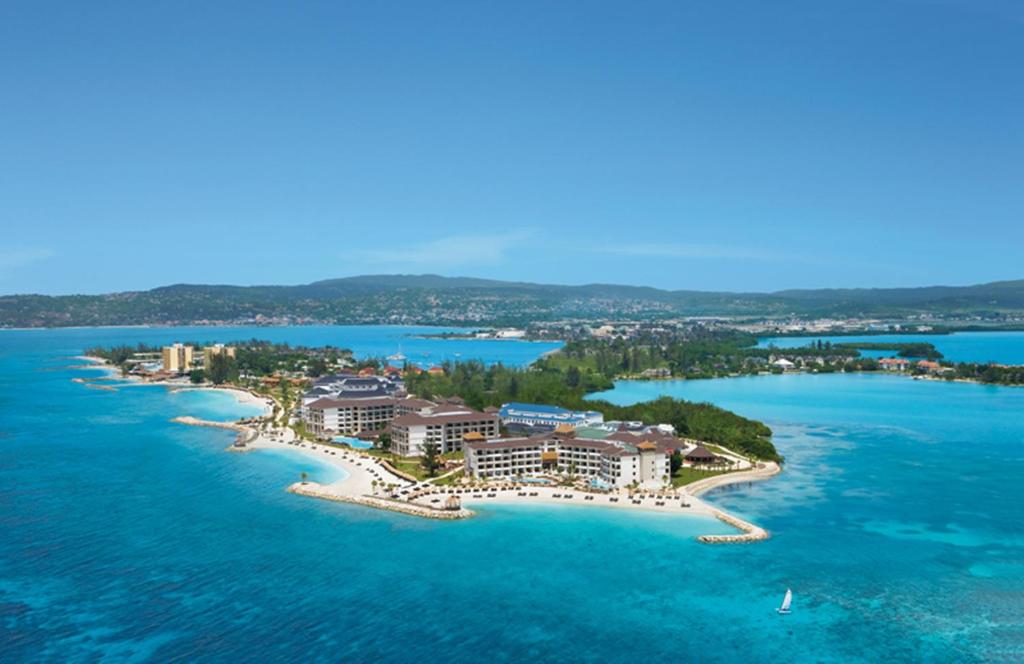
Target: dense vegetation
{"type": "Point", "coordinates": [484, 386]}
{"type": "Point", "coordinates": [913, 349]}
{"type": "Point", "coordinates": [693, 353]}
{"type": "Point", "coordinates": [995, 374]}
{"type": "Point", "coordinates": [462, 301]}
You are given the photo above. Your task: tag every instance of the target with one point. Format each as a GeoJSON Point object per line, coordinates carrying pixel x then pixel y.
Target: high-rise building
{"type": "Point", "coordinates": [217, 349]}
{"type": "Point", "coordinates": [177, 358]}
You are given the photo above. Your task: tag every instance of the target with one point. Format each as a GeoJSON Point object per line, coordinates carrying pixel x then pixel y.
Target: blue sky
{"type": "Point", "coordinates": [693, 145]}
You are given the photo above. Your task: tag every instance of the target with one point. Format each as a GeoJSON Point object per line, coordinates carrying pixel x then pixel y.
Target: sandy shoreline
{"type": "Point", "coordinates": [241, 396]}
{"type": "Point", "coordinates": [365, 478]}
{"type": "Point", "coordinates": [362, 470]}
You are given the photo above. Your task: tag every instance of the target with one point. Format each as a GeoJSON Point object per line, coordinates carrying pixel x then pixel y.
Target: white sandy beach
{"type": "Point", "coordinates": [365, 476]}
{"type": "Point", "coordinates": [242, 396]}
{"type": "Point", "coordinates": [362, 470]}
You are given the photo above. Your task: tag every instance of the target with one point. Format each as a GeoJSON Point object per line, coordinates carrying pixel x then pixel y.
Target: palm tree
{"type": "Point", "coordinates": [304, 476]}
{"type": "Point", "coordinates": [374, 485]}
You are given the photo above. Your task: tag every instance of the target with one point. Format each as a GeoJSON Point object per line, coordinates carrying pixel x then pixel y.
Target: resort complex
{"type": "Point", "coordinates": [423, 439]}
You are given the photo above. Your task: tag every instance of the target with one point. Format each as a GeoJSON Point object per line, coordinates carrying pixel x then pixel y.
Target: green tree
{"type": "Point", "coordinates": [572, 377]}
{"type": "Point", "coordinates": [317, 367]}
{"type": "Point", "coordinates": [384, 441]}
{"type": "Point", "coordinates": [431, 459]}
{"type": "Point", "coordinates": [221, 369]}
{"type": "Point", "coordinates": [675, 462]}
{"type": "Point", "coordinates": [197, 376]}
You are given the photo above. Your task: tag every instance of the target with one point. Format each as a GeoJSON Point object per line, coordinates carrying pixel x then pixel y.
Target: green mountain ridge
{"type": "Point", "coordinates": [431, 298]}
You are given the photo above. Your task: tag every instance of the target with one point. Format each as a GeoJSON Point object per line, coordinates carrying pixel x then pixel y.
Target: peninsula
{"type": "Point", "coordinates": [435, 442]}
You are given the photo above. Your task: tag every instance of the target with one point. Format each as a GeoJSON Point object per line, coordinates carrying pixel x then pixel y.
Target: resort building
{"type": "Point", "coordinates": [446, 425]}
{"type": "Point", "coordinates": [350, 386]}
{"type": "Point", "coordinates": [894, 363]}
{"type": "Point", "coordinates": [210, 352]}
{"type": "Point", "coordinates": [177, 358]}
{"type": "Point", "coordinates": [537, 415]}
{"type": "Point", "coordinates": [611, 464]}
{"type": "Point", "coordinates": [326, 416]}
{"type": "Point", "coordinates": [784, 364]}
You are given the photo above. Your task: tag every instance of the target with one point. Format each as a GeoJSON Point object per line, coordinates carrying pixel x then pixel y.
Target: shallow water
{"type": "Point", "coordinates": [131, 538]}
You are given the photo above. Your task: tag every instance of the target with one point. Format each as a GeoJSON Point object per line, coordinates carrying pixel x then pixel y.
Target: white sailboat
{"type": "Point", "coordinates": [397, 357]}
{"type": "Point", "coordinates": [786, 601]}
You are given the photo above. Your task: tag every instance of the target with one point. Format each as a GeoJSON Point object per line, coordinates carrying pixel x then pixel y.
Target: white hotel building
{"type": "Point", "coordinates": [352, 415]}
{"type": "Point", "coordinates": [445, 425]}
{"type": "Point", "coordinates": [613, 463]}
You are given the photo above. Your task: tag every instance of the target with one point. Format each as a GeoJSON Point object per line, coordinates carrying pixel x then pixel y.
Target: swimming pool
{"type": "Point", "coordinates": [353, 442]}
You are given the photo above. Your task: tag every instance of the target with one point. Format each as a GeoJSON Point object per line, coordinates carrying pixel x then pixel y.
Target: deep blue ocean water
{"type": "Point", "coordinates": [126, 537]}
{"type": "Point", "coordinates": [1003, 347]}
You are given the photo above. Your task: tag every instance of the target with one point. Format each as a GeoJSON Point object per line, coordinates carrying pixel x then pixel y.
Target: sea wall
{"type": "Point", "coordinates": [751, 533]}
{"type": "Point", "coordinates": [314, 490]}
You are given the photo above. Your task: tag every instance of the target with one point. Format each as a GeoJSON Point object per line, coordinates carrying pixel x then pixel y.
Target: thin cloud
{"type": "Point", "coordinates": [452, 251]}
{"type": "Point", "coordinates": [675, 250]}
{"type": "Point", "coordinates": [15, 258]}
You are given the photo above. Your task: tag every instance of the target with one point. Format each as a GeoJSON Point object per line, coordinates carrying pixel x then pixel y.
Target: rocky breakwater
{"type": "Point", "coordinates": [315, 490]}
{"type": "Point", "coordinates": [749, 532]}
{"type": "Point", "coordinates": [245, 434]}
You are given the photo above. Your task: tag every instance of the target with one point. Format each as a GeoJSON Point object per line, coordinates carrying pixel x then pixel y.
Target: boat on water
{"type": "Point", "coordinates": [786, 601]}
{"type": "Point", "coordinates": [397, 357]}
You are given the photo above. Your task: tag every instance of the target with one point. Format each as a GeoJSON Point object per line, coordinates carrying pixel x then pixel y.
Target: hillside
{"type": "Point", "coordinates": [463, 300]}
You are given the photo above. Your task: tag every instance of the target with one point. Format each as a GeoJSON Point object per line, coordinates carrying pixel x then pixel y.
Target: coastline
{"type": "Point", "coordinates": [362, 469]}
{"type": "Point", "coordinates": [768, 374]}
{"type": "Point", "coordinates": [242, 396]}
{"type": "Point", "coordinates": [365, 476]}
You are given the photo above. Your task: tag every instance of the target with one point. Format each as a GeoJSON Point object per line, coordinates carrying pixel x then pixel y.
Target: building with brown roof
{"type": "Point", "coordinates": [445, 425]}
{"type": "Point", "coordinates": [325, 417]}
{"type": "Point", "coordinates": [700, 455]}
{"type": "Point", "coordinates": [611, 463]}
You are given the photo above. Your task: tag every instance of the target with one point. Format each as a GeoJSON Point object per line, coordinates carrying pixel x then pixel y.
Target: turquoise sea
{"type": "Point", "coordinates": [1002, 347]}
{"type": "Point", "coordinates": [129, 538]}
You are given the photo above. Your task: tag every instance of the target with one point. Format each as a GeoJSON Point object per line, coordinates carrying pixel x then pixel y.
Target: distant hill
{"type": "Point", "coordinates": [435, 299]}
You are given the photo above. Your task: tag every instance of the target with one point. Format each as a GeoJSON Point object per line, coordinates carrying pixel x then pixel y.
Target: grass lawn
{"type": "Point", "coordinates": [685, 476]}
{"type": "Point", "coordinates": [412, 465]}
{"type": "Point", "coordinates": [408, 465]}
{"type": "Point", "coordinates": [454, 478]}
{"type": "Point", "coordinates": [720, 451]}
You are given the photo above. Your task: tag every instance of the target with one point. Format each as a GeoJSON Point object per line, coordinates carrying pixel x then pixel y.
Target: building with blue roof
{"type": "Point", "coordinates": [543, 416]}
